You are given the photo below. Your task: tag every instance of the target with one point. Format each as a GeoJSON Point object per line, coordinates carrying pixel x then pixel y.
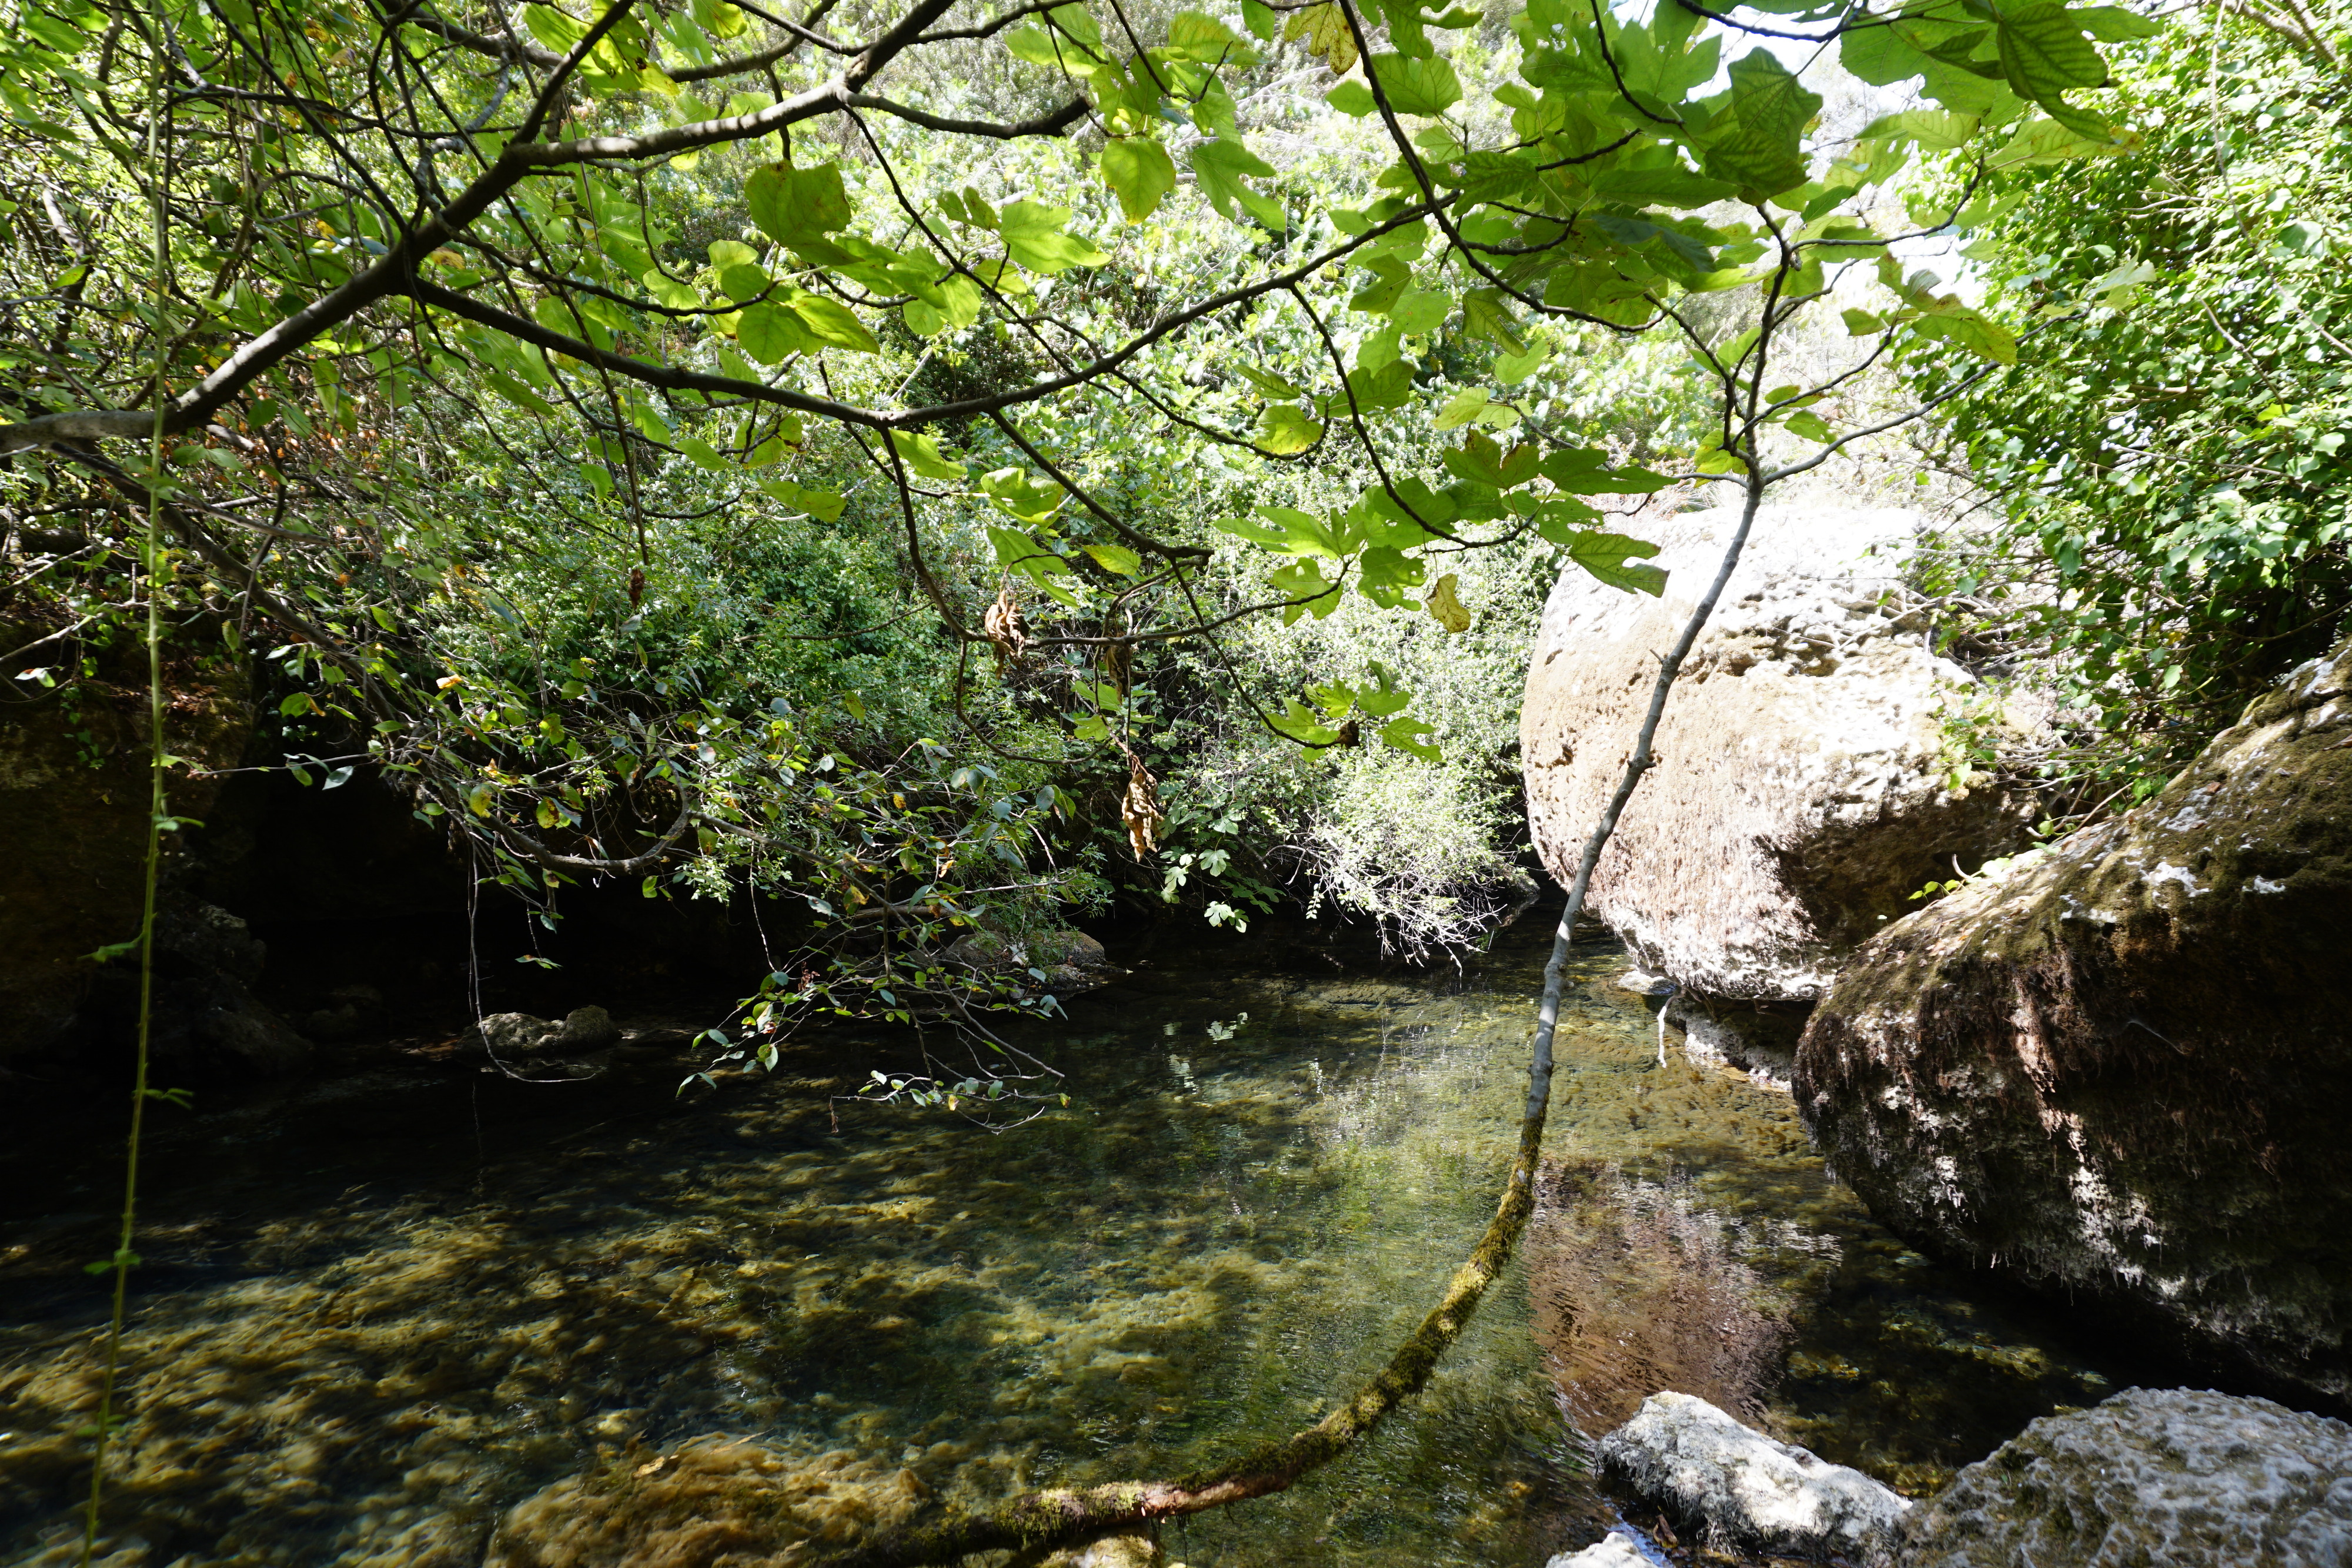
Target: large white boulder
{"type": "Point", "coordinates": [1744, 1491]}
{"type": "Point", "coordinates": [1802, 791]}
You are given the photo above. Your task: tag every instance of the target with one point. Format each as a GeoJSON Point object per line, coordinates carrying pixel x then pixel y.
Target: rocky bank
{"type": "Point", "coordinates": [2120, 1070]}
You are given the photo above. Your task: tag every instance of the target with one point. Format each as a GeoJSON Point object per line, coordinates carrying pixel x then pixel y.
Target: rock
{"type": "Point", "coordinates": [1072, 960]}
{"type": "Point", "coordinates": [715, 1500]}
{"type": "Point", "coordinates": [73, 824]}
{"type": "Point", "coordinates": [516, 1036]}
{"type": "Point", "coordinates": [1614, 1549]}
{"type": "Point", "coordinates": [2173, 1475]}
{"type": "Point", "coordinates": [1759, 1039]}
{"type": "Point", "coordinates": [1802, 792]}
{"type": "Point", "coordinates": [2119, 1069]}
{"type": "Point", "coordinates": [1641, 983]}
{"type": "Point", "coordinates": [1745, 1491]}
{"type": "Point", "coordinates": [587, 1029]}
{"type": "Point", "coordinates": [248, 1038]}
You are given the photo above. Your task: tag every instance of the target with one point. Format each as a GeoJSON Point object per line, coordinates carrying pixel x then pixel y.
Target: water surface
{"type": "Point", "coordinates": [379, 1309]}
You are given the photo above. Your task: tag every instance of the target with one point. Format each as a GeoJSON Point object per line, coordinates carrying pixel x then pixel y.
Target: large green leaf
{"type": "Point", "coordinates": [1756, 140]}
{"type": "Point", "coordinates": [794, 205]}
{"type": "Point", "coordinates": [1033, 237]}
{"type": "Point", "coordinates": [1221, 166]}
{"type": "Point", "coordinates": [831, 321]}
{"type": "Point", "coordinates": [1614, 559]}
{"type": "Point", "coordinates": [1140, 171]}
{"type": "Point", "coordinates": [2043, 53]}
{"type": "Point", "coordinates": [1285, 431]}
{"type": "Point", "coordinates": [1427, 87]}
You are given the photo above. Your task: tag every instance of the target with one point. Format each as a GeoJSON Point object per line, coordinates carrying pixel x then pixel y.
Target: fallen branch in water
{"type": "Point", "coordinates": [1044, 1521]}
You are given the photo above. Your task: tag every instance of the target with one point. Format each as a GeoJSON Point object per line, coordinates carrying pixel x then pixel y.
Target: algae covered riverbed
{"type": "Point", "coordinates": [374, 1312]}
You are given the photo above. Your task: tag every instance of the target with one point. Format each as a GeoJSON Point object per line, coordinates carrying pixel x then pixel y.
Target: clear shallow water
{"type": "Point", "coordinates": [378, 1310]}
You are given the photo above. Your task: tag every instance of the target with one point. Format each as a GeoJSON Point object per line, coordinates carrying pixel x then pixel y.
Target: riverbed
{"type": "Point", "coordinates": [376, 1309]}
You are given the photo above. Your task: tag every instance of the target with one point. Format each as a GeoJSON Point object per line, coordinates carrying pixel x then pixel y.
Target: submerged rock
{"type": "Point", "coordinates": [2120, 1068]}
{"type": "Point", "coordinates": [715, 1503]}
{"type": "Point", "coordinates": [1745, 1491]}
{"type": "Point", "coordinates": [2173, 1475]}
{"type": "Point", "coordinates": [1802, 792]}
{"type": "Point", "coordinates": [1759, 1039]}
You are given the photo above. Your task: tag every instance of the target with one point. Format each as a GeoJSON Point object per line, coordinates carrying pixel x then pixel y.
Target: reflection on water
{"type": "Point", "coordinates": [356, 1340]}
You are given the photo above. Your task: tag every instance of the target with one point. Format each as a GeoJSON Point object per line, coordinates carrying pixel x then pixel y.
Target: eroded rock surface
{"type": "Point", "coordinates": [1746, 1491]}
{"type": "Point", "coordinates": [1801, 794]}
{"type": "Point", "coordinates": [2121, 1068]}
{"type": "Point", "coordinates": [2175, 1477]}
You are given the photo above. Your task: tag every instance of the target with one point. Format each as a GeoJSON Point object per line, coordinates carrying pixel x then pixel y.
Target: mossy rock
{"type": "Point", "coordinates": [2120, 1070]}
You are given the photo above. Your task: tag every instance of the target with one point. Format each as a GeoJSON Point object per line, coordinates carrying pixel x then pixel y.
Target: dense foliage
{"type": "Point", "coordinates": [2168, 457]}
{"type": "Point", "coordinates": [867, 454]}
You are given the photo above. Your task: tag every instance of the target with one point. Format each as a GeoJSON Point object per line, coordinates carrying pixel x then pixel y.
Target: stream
{"type": "Point", "coordinates": [375, 1310]}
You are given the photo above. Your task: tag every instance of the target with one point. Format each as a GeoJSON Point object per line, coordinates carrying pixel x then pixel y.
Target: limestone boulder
{"type": "Point", "coordinates": [1742, 1490]}
{"type": "Point", "coordinates": [2120, 1070]}
{"type": "Point", "coordinates": [2175, 1476]}
{"type": "Point", "coordinates": [1801, 791]}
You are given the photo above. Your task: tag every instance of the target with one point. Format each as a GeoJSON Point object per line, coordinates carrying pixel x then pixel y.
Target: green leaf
{"type": "Point", "coordinates": [2114, 24]}
{"type": "Point", "coordinates": [1427, 87]}
{"type": "Point", "coordinates": [1406, 734]}
{"type": "Point", "coordinates": [743, 282]}
{"type": "Point", "coordinates": [831, 321]}
{"type": "Point", "coordinates": [1266, 383]}
{"type": "Point", "coordinates": [1195, 36]}
{"type": "Point", "coordinates": [823, 505]}
{"type": "Point", "coordinates": [1304, 582]}
{"type": "Point", "coordinates": [1463, 407]}
{"type": "Point", "coordinates": [1479, 460]}
{"type": "Point", "coordinates": [1293, 532]}
{"type": "Point", "coordinates": [1033, 237]}
{"type": "Point", "coordinates": [1114, 558]}
{"type": "Point", "coordinates": [703, 454]}
{"type": "Point", "coordinates": [769, 333]}
{"type": "Point", "coordinates": [1420, 310]}
{"type": "Point", "coordinates": [1220, 166]}
{"type": "Point", "coordinates": [1756, 140]}
{"type": "Point", "coordinates": [1385, 574]}
{"type": "Point", "coordinates": [796, 205]}
{"type": "Point", "coordinates": [921, 454]}
{"type": "Point", "coordinates": [1140, 171]}
{"type": "Point", "coordinates": [1352, 97]}
{"type": "Point", "coordinates": [2043, 53]}
{"type": "Point", "coordinates": [1935, 130]}
{"type": "Point", "coordinates": [1376, 298]}
{"type": "Point", "coordinates": [1809, 425]}
{"type": "Point", "coordinates": [1614, 559]}
{"type": "Point", "coordinates": [1285, 431]}
{"type": "Point", "coordinates": [1020, 496]}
